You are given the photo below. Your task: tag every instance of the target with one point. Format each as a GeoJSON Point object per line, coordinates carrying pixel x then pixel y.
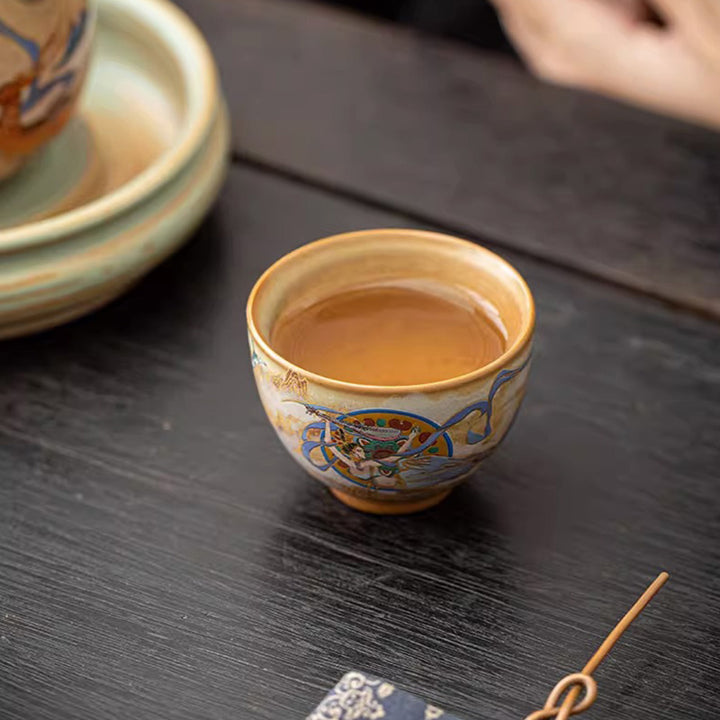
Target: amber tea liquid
{"type": "Point", "coordinates": [388, 335]}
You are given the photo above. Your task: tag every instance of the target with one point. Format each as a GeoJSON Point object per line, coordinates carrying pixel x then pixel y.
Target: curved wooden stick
{"type": "Point", "coordinates": [577, 682]}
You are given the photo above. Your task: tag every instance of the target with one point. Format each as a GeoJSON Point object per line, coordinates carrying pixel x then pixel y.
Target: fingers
{"type": "Point", "coordinates": [532, 40]}
{"type": "Point", "coordinates": [698, 21]}
{"type": "Point", "coordinates": [601, 45]}
{"type": "Point", "coordinates": [571, 42]}
{"type": "Point", "coordinates": [533, 26]}
{"type": "Point", "coordinates": [670, 10]}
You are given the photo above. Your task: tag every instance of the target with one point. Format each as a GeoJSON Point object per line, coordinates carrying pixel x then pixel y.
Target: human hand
{"type": "Point", "coordinates": [699, 22]}
{"type": "Point", "coordinates": [611, 47]}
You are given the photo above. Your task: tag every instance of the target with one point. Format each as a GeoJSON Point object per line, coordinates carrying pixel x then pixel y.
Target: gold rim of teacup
{"type": "Point", "coordinates": [194, 60]}
{"type": "Point", "coordinates": [512, 352]}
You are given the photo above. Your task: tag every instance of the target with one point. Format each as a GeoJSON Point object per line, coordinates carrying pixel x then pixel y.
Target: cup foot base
{"type": "Point", "coordinates": [389, 507]}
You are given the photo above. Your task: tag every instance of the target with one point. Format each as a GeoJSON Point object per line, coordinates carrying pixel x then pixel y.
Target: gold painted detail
{"type": "Point", "coordinates": [291, 382]}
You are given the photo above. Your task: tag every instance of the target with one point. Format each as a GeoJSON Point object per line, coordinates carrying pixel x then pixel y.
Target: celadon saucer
{"type": "Point", "coordinates": [127, 181]}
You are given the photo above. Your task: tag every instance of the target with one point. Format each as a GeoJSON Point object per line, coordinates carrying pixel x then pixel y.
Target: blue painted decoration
{"type": "Point", "coordinates": [394, 450]}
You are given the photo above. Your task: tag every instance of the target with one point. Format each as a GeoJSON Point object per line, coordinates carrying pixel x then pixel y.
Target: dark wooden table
{"type": "Point", "coordinates": [162, 557]}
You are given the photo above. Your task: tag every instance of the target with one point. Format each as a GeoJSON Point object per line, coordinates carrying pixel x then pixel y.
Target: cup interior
{"type": "Point", "coordinates": [460, 270]}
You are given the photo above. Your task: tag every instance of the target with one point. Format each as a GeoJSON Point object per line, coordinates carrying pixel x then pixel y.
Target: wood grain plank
{"type": "Point", "coordinates": [470, 141]}
{"type": "Point", "coordinates": [162, 557]}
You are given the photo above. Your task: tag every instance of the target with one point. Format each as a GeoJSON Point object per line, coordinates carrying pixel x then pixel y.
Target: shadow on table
{"type": "Point", "coordinates": [461, 532]}
{"type": "Point", "coordinates": [415, 599]}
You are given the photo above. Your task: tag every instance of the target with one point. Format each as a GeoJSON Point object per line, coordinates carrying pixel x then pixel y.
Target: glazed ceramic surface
{"type": "Point", "coordinates": [391, 449]}
{"type": "Point", "coordinates": [150, 102]}
{"type": "Point", "coordinates": [126, 182]}
{"type": "Point", "coordinates": [44, 52]}
{"type": "Point", "coordinates": [52, 284]}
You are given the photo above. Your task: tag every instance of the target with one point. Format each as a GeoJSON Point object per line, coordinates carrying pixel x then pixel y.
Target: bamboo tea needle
{"type": "Point", "coordinates": [612, 638]}
{"type": "Point", "coordinates": [583, 680]}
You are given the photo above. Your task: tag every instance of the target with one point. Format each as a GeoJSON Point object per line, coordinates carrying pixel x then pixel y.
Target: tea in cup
{"type": "Point", "coordinates": [391, 362]}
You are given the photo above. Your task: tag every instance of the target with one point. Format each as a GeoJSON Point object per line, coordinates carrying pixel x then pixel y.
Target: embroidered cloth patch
{"type": "Point", "coordinates": [360, 697]}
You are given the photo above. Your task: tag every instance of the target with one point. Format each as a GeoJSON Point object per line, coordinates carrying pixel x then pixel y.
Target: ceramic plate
{"type": "Point", "coordinates": [128, 179]}
{"type": "Point", "coordinates": [149, 103]}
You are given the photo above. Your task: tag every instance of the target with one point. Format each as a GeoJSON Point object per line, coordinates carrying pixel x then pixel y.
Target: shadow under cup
{"type": "Point", "coordinates": [391, 449]}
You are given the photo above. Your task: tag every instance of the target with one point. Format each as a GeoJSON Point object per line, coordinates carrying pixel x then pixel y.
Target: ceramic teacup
{"type": "Point", "coordinates": [44, 53]}
{"type": "Point", "coordinates": [440, 431]}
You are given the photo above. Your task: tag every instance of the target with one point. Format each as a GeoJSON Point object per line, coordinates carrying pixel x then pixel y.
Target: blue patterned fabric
{"type": "Point", "coordinates": [360, 697]}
